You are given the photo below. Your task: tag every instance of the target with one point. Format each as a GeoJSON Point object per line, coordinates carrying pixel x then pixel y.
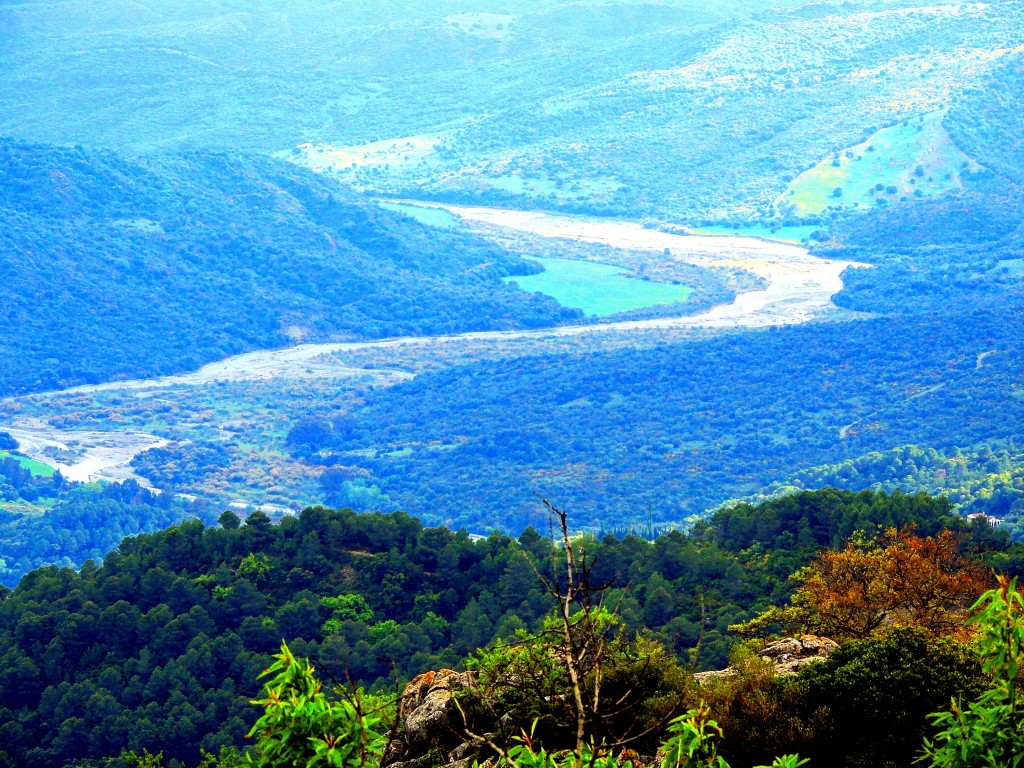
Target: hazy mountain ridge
{"type": "Point", "coordinates": [562, 95]}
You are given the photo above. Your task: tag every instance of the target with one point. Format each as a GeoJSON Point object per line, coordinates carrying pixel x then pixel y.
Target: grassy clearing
{"type": "Point", "coordinates": [25, 508]}
{"type": "Point", "coordinates": [916, 158]}
{"type": "Point", "coordinates": [598, 289]}
{"type": "Point", "coordinates": [410, 150]}
{"type": "Point", "coordinates": [1013, 267]}
{"type": "Point", "coordinates": [37, 468]}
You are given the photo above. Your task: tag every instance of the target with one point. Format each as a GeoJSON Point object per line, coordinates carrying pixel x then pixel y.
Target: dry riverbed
{"type": "Point", "coordinates": [793, 287]}
{"type": "Point", "coordinates": [83, 455]}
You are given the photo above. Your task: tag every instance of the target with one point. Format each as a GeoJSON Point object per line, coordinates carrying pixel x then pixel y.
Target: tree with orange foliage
{"type": "Point", "coordinates": [896, 579]}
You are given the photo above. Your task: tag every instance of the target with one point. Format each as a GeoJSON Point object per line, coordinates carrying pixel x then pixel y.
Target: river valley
{"type": "Point", "coordinates": [795, 287]}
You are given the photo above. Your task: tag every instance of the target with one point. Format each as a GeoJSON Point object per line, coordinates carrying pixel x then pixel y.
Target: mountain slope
{"type": "Point", "coordinates": [111, 268]}
{"type": "Point", "coordinates": [160, 647]}
{"type": "Point", "coordinates": [671, 107]}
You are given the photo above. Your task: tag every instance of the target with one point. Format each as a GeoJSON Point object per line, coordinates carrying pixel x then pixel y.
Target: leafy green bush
{"type": "Point", "coordinates": [691, 743]}
{"type": "Point", "coordinates": [866, 706]}
{"type": "Point", "coordinates": [760, 712]}
{"type": "Point", "coordinates": [302, 726]}
{"type": "Point", "coordinates": [878, 694]}
{"type": "Point", "coordinates": [989, 732]}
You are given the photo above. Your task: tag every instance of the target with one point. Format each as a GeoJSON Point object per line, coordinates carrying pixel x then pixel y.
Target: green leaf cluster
{"type": "Point", "coordinates": [302, 726]}
{"type": "Point", "coordinates": [988, 732]}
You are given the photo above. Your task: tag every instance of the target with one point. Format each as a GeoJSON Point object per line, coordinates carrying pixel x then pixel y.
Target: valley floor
{"type": "Point", "coordinates": [794, 287]}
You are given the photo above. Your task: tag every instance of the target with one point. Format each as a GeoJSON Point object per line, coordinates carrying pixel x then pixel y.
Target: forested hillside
{"type": "Point", "coordinates": [123, 269]}
{"type": "Point", "coordinates": [987, 480]}
{"type": "Point", "coordinates": [988, 120]}
{"type": "Point", "coordinates": [666, 433]}
{"type": "Point", "coordinates": [159, 647]}
{"type": "Point", "coordinates": [81, 522]}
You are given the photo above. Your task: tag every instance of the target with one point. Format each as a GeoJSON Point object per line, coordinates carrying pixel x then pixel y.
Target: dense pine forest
{"type": "Point", "coordinates": [159, 647]}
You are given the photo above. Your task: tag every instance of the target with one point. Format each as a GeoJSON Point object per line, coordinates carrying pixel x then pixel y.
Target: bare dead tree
{"type": "Point", "coordinates": [586, 636]}
{"type": "Point", "coordinates": [584, 642]}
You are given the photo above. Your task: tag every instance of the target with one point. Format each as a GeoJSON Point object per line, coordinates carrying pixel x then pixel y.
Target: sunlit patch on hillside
{"type": "Point", "coordinates": [929, 81]}
{"type": "Point", "coordinates": [760, 56]}
{"type": "Point", "coordinates": [407, 151]}
{"type": "Point", "coordinates": [141, 224]}
{"type": "Point", "coordinates": [494, 26]}
{"type": "Point", "coordinates": [915, 158]}
{"type": "Point", "coordinates": [1013, 267]}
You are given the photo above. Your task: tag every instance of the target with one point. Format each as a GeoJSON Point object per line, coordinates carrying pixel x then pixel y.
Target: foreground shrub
{"type": "Point", "coordinates": [866, 706]}
{"type": "Point", "coordinates": [302, 726]}
{"type": "Point", "coordinates": [989, 733]}
{"type": "Point", "coordinates": [878, 694]}
{"type": "Point", "coordinates": [760, 712]}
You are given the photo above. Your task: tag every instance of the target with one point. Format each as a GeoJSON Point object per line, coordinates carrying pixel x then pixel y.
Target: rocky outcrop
{"type": "Point", "coordinates": [794, 653]}
{"type": "Point", "coordinates": [430, 730]}
{"type": "Point", "coordinates": [788, 656]}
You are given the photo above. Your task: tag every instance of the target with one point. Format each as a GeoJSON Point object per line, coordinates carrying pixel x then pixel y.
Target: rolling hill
{"type": "Point", "coordinates": [112, 268]}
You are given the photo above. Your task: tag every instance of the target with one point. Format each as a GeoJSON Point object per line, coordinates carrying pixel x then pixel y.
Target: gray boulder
{"type": "Point", "coordinates": [788, 656]}
{"type": "Point", "coordinates": [430, 726]}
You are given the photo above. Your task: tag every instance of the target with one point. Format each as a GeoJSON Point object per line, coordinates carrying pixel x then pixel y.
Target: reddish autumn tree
{"type": "Point", "coordinates": [896, 579]}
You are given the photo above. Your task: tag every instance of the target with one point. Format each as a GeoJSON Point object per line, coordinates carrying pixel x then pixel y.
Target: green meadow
{"type": "Point", "coordinates": [597, 289]}
{"type": "Point", "coordinates": [37, 468]}
{"type": "Point", "coordinates": [915, 158]}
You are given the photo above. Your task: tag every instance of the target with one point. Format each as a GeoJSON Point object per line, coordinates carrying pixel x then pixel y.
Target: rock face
{"type": "Point", "coordinates": [788, 656]}
{"type": "Point", "coordinates": [794, 653]}
{"type": "Point", "coordinates": [430, 726]}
